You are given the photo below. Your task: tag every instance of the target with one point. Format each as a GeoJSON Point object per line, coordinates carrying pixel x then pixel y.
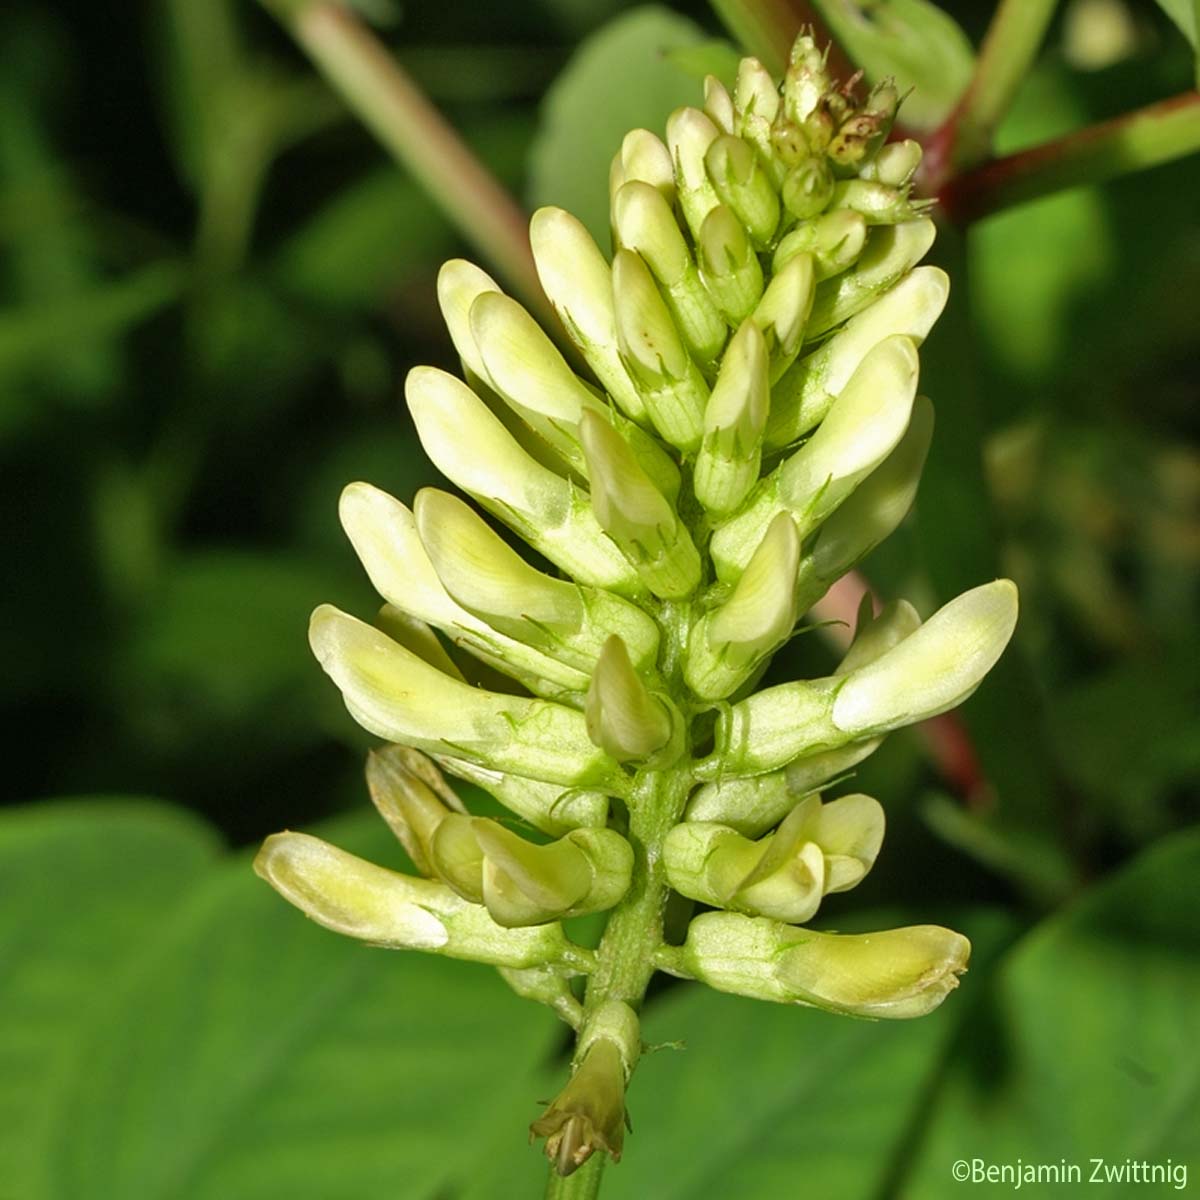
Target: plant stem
{"type": "Point", "coordinates": [1144, 138]}
{"type": "Point", "coordinates": [383, 96]}
{"type": "Point", "coordinates": [1008, 50]}
{"type": "Point", "coordinates": [584, 1184]}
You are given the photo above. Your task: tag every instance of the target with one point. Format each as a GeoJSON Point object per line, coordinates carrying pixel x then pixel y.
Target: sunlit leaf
{"type": "Point", "coordinates": [915, 42]}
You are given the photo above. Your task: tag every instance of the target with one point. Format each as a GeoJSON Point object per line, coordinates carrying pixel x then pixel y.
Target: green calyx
{"type": "Point", "coordinates": [739, 427]}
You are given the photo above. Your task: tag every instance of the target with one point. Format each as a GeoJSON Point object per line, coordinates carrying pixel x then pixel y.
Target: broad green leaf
{"type": "Point", "coordinates": [1029, 266]}
{"type": "Point", "coordinates": [83, 885]}
{"type": "Point", "coordinates": [223, 646]}
{"type": "Point", "coordinates": [254, 1055]}
{"type": "Point", "coordinates": [364, 241]}
{"type": "Point", "coordinates": [622, 78]}
{"type": "Point", "coordinates": [1091, 1049]}
{"type": "Point", "coordinates": [1185, 14]}
{"type": "Point", "coordinates": [714, 57]}
{"type": "Point", "coordinates": [913, 41]}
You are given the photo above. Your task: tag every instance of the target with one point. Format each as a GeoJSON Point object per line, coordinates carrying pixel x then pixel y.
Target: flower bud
{"type": "Point", "coordinates": [578, 283]}
{"type": "Point", "coordinates": [819, 849]}
{"type": "Point", "coordinates": [727, 644]}
{"type": "Point", "coordinates": [806, 79]}
{"type": "Point", "coordinates": [752, 806]}
{"type": "Point", "coordinates": [896, 974]}
{"type": "Point", "coordinates": [782, 313]}
{"type": "Point", "coordinates": [718, 104]}
{"type": "Point", "coordinates": [730, 268]}
{"type": "Point", "coordinates": [805, 394]}
{"type": "Point", "coordinates": [730, 457]}
{"type": "Point", "coordinates": [878, 203]}
{"type": "Point", "coordinates": [384, 535]}
{"type": "Point", "coordinates": [482, 573]}
{"type": "Point", "coordinates": [397, 696]}
{"type": "Point", "coordinates": [743, 186]}
{"type": "Point", "coordinates": [935, 668]}
{"type": "Point", "coordinates": [835, 240]}
{"type": "Point", "coordinates": [875, 635]}
{"type": "Point", "coordinates": [547, 806]}
{"type": "Point", "coordinates": [671, 387]}
{"type": "Point", "coordinates": [807, 188]}
{"type": "Point", "coordinates": [587, 870]}
{"type": "Point", "coordinates": [413, 634]}
{"type": "Point", "coordinates": [623, 717]}
{"type": "Point", "coordinates": [873, 511]}
{"type": "Point", "coordinates": [643, 157]}
{"type": "Point", "coordinates": [636, 515]}
{"type": "Point", "coordinates": [646, 225]}
{"type": "Point", "coordinates": [459, 285]}
{"type": "Point", "coordinates": [689, 135]}
{"type": "Point", "coordinates": [860, 431]}
{"type": "Point", "coordinates": [470, 446]}
{"type": "Point", "coordinates": [353, 897]}
{"type": "Point", "coordinates": [401, 783]}
{"type": "Point", "coordinates": [589, 1114]}
{"type": "Point", "coordinates": [756, 100]}
{"type": "Point", "coordinates": [891, 252]}
{"type": "Point", "coordinates": [932, 670]}
{"type": "Point", "coordinates": [894, 164]}
{"type": "Point", "coordinates": [715, 865]}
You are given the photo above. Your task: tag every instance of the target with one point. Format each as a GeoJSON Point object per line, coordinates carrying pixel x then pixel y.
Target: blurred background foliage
{"type": "Point", "coordinates": [213, 282]}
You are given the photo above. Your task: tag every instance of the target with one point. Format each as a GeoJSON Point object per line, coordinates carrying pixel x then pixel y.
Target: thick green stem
{"type": "Point", "coordinates": [382, 95]}
{"type": "Point", "coordinates": [1008, 50]}
{"type": "Point", "coordinates": [1145, 138]}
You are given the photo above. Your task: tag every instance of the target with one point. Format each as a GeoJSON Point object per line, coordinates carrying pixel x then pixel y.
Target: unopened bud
{"type": "Point", "coordinates": [578, 283]}
{"type": "Point", "coordinates": [805, 394]}
{"type": "Point", "coordinates": [399, 780]}
{"type": "Point", "coordinates": [488, 578]}
{"type": "Point", "coordinates": [645, 224]}
{"type": "Point", "coordinates": [672, 389]}
{"type": "Point", "coordinates": [636, 515]}
{"type": "Point", "coordinates": [835, 240]}
{"type": "Point", "coordinates": [471, 447]}
{"type": "Point", "coordinates": [397, 696]}
{"type": "Point", "coordinates": [623, 717]}
{"type": "Point", "coordinates": [895, 164]}
{"type": "Point", "coordinates": [807, 188]}
{"type": "Point", "coordinates": [689, 135]}
{"type": "Point", "coordinates": [718, 104]}
{"type": "Point", "coordinates": [644, 157]}
{"type": "Point", "coordinates": [744, 186]}
{"type": "Point", "coordinates": [730, 456]}
{"type": "Point", "coordinates": [727, 644]}
{"type": "Point", "coordinates": [353, 897]}
{"type": "Point", "coordinates": [459, 285]}
{"type": "Point", "coordinates": [752, 806]}
{"type": "Point", "coordinates": [782, 313]}
{"type": "Point", "coordinates": [730, 268]}
{"type": "Point", "coordinates": [863, 426]}
{"type": "Point", "coordinates": [891, 252]}
{"type": "Point", "coordinates": [547, 806]}
{"type": "Point", "coordinates": [896, 974]}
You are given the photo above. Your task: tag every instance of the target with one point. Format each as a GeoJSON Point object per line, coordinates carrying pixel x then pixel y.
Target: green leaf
{"type": "Point", "coordinates": [913, 41]}
{"type": "Point", "coordinates": [622, 78]}
{"type": "Point", "coordinates": [1092, 1047]}
{"type": "Point", "coordinates": [1031, 265]}
{"type": "Point", "coordinates": [224, 648]}
{"type": "Point", "coordinates": [247, 1053]}
{"type": "Point", "coordinates": [84, 886]}
{"type": "Point", "coordinates": [1185, 14]}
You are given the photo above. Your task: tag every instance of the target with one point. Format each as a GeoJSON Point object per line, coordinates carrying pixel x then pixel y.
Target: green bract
{"type": "Point", "coordinates": [748, 429]}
